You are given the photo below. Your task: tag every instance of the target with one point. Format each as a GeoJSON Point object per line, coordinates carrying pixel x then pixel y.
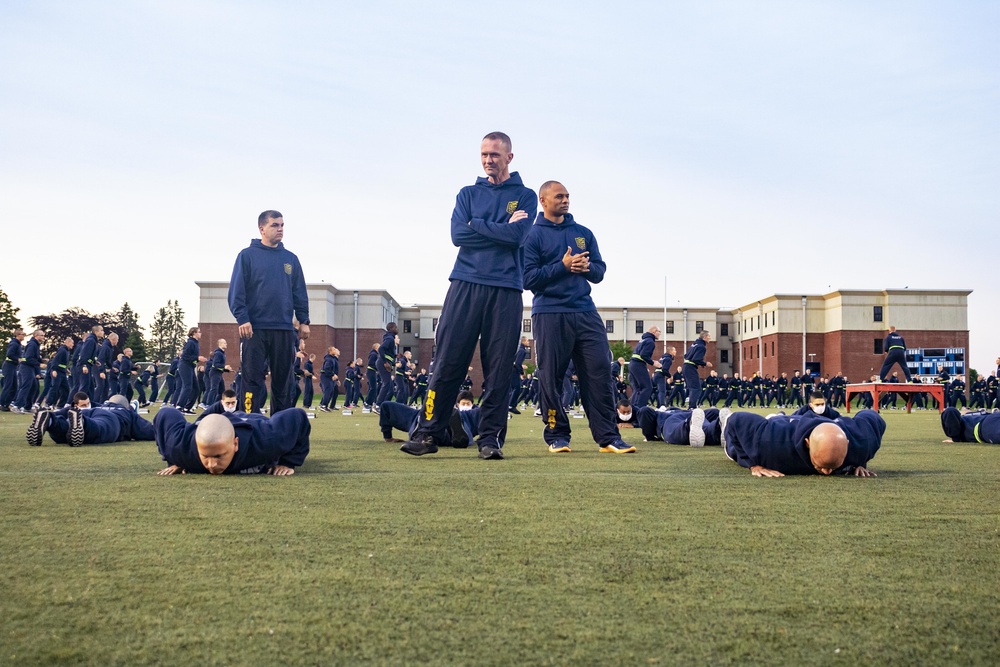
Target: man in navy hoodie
{"type": "Point", "coordinates": [266, 290]}
{"type": "Point", "coordinates": [489, 224]}
{"type": "Point", "coordinates": [694, 358]}
{"type": "Point", "coordinates": [895, 353]}
{"type": "Point", "coordinates": [803, 445]}
{"type": "Point", "coordinates": [638, 375]}
{"type": "Point", "coordinates": [561, 260]}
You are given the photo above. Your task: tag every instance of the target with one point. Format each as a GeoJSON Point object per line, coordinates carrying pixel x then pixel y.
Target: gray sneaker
{"type": "Point", "coordinates": [696, 436]}
{"type": "Point", "coordinates": [488, 453]}
{"type": "Point", "coordinates": [724, 415]}
{"type": "Point", "coordinates": [76, 432]}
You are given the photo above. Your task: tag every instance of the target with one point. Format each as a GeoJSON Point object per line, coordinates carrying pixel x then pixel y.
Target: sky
{"type": "Point", "coordinates": [732, 149]}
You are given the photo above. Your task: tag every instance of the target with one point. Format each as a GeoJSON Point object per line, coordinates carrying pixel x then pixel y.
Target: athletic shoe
{"type": "Point", "coordinates": [488, 453]}
{"type": "Point", "coordinates": [724, 416]}
{"type": "Point", "coordinates": [514, 411]}
{"type": "Point", "coordinates": [560, 447]}
{"type": "Point", "coordinates": [375, 409]}
{"type": "Point", "coordinates": [538, 412]}
{"type": "Point", "coordinates": [76, 433]}
{"type": "Point", "coordinates": [38, 426]}
{"type": "Point", "coordinates": [618, 447]}
{"type": "Point", "coordinates": [135, 406]}
{"type": "Point", "coordinates": [696, 435]}
{"type": "Point", "coordinates": [425, 445]}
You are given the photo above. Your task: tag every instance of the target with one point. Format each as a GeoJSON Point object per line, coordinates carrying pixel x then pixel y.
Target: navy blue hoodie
{"type": "Point", "coordinates": [489, 248]}
{"type": "Point", "coordinates": [268, 287]}
{"type": "Point", "coordinates": [556, 289]}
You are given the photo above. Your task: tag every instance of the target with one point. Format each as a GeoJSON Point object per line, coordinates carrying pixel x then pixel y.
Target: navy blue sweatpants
{"type": "Point", "coordinates": [642, 386]}
{"type": "Point", "coordinates": [473, 313]}
{"type": "Point", "coordinates": [274, 350]}
{"type": "Point", "coordinates": [582, 338]}
{"type": "Point", "coordinates": [895, 356]}
{"type": "Point", "coordinates": [399, 416]}
{"type": "Point", "coordinates": [102, 425]}
{"type": "Point", "coordinates": [973, 427]}
{"type": "Point", "coordinates": [674, 426]}
{"type": "Point", "coordinates": [693, 383]}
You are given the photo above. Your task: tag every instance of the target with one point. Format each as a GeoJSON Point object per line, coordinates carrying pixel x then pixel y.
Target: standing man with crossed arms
{"type": "Point", "coordinates": [266, 290]}
{"type": "Point", "coordinates": [489, 224]}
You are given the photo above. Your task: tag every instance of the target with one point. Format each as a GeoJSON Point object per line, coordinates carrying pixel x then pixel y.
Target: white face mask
{"type": "Point", "coordinates": [624, 416]}
{"type": "Point", "coordinates": [818, 409]}
{"type": "Point", "coordinates": [229, 409]}
{"type": "Point", "coordinates": [464, 408]}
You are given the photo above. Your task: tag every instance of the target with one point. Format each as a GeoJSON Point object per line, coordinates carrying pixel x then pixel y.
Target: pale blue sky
{"type": "Point", "coordinates": [733, 139]}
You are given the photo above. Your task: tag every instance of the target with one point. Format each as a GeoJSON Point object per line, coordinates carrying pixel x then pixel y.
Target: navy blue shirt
{"type": "Point", "coordinates": [88, 351]}
{"type": "Point", "coordinates": [696, 353]}
{"type": "Point", "coordinates": [60, 361]}
{"type": "Point", "coordinates": [556, 289]}
{"type": "Point", "coordinates": [893, 340]}
{"type": "Point", "coordinates": [489, 248]}
{"type": "Point", "coordinates": [217, 363]}
{"type": "Point", "coordinates": [644, 350]}
{"type": "Point", "coordinates": [191, 351]}
{"type": "Point", "coordinates": [32, 356]}
{"type": "Point", "coordinates": [14, 350]}
{"type": "Point", "coordinates": [268, 287]}
{"type": "Point", "coordinates": [387, 350]}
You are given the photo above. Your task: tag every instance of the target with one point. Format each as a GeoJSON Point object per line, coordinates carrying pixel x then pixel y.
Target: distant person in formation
{"type": "Point", "coordinates": [638, 374]}
{"type": "Point", "coordinates": [57, 371]}
{"type": "Point", "coordinates": [895, 353]}
{"type": "Point", "coordinates": [982, 426]}
{"type": "Point", "coordinates": [693, 359]}
{"type": "Point", "coordinates": [190, 356]}
{"type": "Point", "coordinates": [29, 372]}
{"type": "Point", "coordinates": [803, 445]}
{"type": "Point", "coordinates": [483, 305]}
{"type": "Point", "coordinates": [561, 261]}
{"type": "Point", "coordinates": [232, 444]}
{"type": "Point", "coordinates": [8, 390]}
{"type": "Point", "coordinates": [266, 292]}
{"type": "Point", "coordinates": [387, 363]}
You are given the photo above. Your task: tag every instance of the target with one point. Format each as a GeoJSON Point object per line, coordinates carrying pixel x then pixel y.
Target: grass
{"type": "Point", "coordinates": [367, 556]}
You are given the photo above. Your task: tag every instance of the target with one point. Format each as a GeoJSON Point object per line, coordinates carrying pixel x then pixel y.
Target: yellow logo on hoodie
{"type": "Point", "coordinates": [511, 207]}
{"type": "Point", "coordinates": [581, 243]}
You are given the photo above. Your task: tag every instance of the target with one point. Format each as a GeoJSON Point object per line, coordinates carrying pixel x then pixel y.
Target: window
{"type": "Point", "coordinates": [758, 350]}
{"type": "Point", "coordinates": [772, 348]}
{"type": "Point", "coordinates": [724, 356]}
{"type": "Point", "coordinates": [407, 326]}
{"type": "Point", "coordinates": [609, 326]}
{"type": "Point", "coordinates": [669, 327]}
{"type": "Point", "coordinates": [724, 329]}
{"type": "Point", "coordinates": [878, 346]}
{"type": "Point", "coordinates": [526, 326]}
{"type": "Point", "coordinates": [758, 321]}
{"type": "Point", "coordinates": [640, 326]}
{"type": "Point", "coordinates": [765, 349]}
{"type": "Point", "coordinates": [878, 313]}
{"type": "Point", "coordinates": [738, 328]}
{"type": "Point", "coordinates": [407, 349]}
{"type": "Point", "coordinates": [434, 324]}
{"type": "Point", "coordinates": [699, 326]}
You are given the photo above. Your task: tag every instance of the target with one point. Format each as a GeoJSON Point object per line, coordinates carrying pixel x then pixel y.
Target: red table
{"type": "Point", "coordinates": [876, 389]}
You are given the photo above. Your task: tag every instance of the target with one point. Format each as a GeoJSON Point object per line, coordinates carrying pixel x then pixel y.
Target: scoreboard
{"type": "Point", "coordinates": [926, 360]}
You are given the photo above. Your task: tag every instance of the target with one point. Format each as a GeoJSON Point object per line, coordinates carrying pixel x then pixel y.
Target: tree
{"type": "Point", "coordinates": [138, 345]}
{"type": "Point", "coordinates": [973, 376]}
{"type": "Point", "coordinates": [123, 323]}
{"type": "Point", "coordinates": [167, 333]}
{"type": "Point", "coordinates": [620, 348]}
{"type": "Point", "coordinates": [75, 322]}
{"type": "Point", "coordinates": [9, 321]}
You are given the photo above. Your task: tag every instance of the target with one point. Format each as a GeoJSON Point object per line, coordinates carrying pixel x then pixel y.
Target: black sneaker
{"type": "Point", "coordinates": [76, 433]}
{"type": "Point", "coordinates": [514, 411]}
{"type": "Point", "coordinates": [38, 426]}
{"type": "Point", "coordinates": [488, 453]}
{"type": "Point", "coordinates": [420, 446]}
{"type": "Point", "coordinates": [459, 439]}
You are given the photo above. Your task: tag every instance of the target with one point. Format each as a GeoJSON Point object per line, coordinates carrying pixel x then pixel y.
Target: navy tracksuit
{"type": "Point", "coordinates": [983, 427]}
{"type": "Point", "coordinates": [213, 383]}
{"type": "Point", "coordinates": [638, 375]}
{"type": "Point", "coordinates": [330, 387]}
{"type": "Point", "coordinates": [185, 372]}
{"type": "Point", "coordinates": [27, 374]}
{"type": "Point", "coordinates": [660, 378]}
{"type": "Point", "coordinates": [267, 288]}
{"type": "Point", "coordinates": [105, 357]}
{"type": "Point", "coordinates": [371, 374]}
{"type": "Point", "coordinates": [172, 379]}
{"type": "Point", "coordinates": [9, 390]}
{"type": "Point", "coordinates": [281, 440]}
{"type": "Point", "coordinates": [307, 384]}
{"type": "Point", "coordinates": [403, 382]}
{"type": "Point", "coordinates": [88, 355]}
{"type": "Point", "coordinates": [58, 383]}
{"type": "Point", "coordinates": [125, 377]}
{"type": "Point", "coordinates": [674, 425]}
{"type": "Point", "coordinates": [694, 358]}
{"type": "Point", "coordinates": [568, 328]}
{"type": "Point", "coordinates": [483, 305]}
{"type": "Point", "coordinates": [516, 376]}
{"type": "Point", "coordinates": [105, 423]}
{"type": "Point", "coordinates": [462, 428]}
{"type": "Point", "coordinates": [895, 348]}
{"type": "Point", "coordinates": [779, 443]}
{"type": "Point", "coordinates": [386, 366]}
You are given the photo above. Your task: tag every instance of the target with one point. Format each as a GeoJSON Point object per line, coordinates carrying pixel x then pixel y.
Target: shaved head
{"type": "Point", "coordinates": [548, 185]}
{"type": "Point", "coordinates": [217, 443]}
{"type": "Point", "coordinates": [827, 447]}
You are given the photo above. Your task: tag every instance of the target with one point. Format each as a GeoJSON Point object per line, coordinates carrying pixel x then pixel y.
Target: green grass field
{"type": "Point", "coordinates": [669, 556]}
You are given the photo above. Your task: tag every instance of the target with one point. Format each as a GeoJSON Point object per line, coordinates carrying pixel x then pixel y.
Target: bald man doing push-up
{"type": "Point", "coordinates": [233, 443]}
{"type": "Point", "coordinates": [803, 444]}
